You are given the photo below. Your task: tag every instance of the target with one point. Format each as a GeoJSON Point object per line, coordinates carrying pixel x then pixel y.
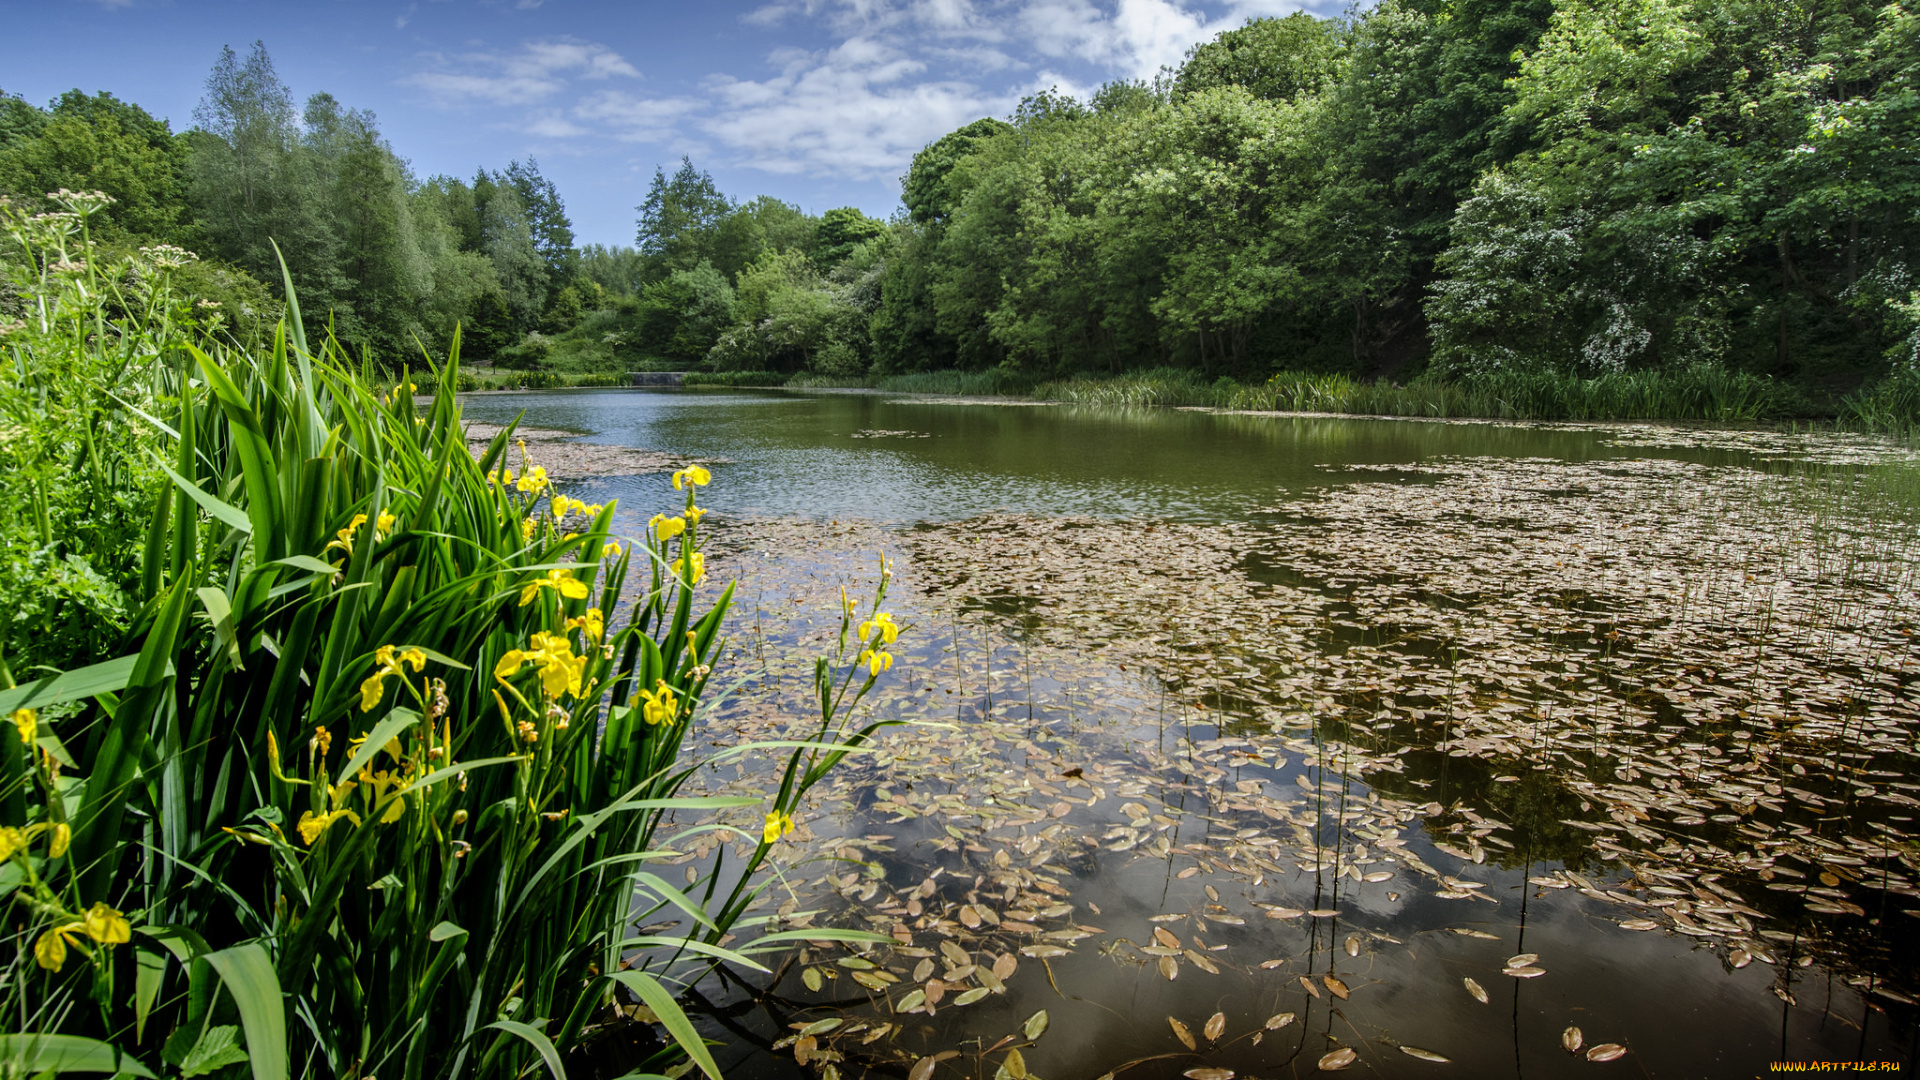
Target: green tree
{"type": "Point", "coordinates": [677, 219]}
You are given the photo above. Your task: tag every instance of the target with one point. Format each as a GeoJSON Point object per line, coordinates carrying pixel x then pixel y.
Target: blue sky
{"type": "Point", "coordinates": [818, 102]}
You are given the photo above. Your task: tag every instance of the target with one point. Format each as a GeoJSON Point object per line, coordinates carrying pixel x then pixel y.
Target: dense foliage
{"type": "Point", "coordinates": [1453, 189]}
{"type": "Point", "coordinates": [336, 749]}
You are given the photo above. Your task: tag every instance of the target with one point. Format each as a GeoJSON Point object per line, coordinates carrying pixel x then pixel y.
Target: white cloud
{"type": "Point", "coordinates": [859, 110]}
{"type": "Point", "coordinates": [845, 88]}
{"type": "Point", "coordinates": [538, 71]}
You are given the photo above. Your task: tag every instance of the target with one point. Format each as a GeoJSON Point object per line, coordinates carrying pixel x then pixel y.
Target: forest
{"type": "Point", "coordinates": [1421, 190]}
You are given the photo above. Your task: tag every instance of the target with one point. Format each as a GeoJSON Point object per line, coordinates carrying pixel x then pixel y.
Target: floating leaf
{"type": "Point", "coordinates": [922, 1069]}
{"type": "Point", "coordinates": [1014, 1066]}
{"type": "Point", "coordinates": [811, 977]}
{"type": "Point", "coordinates": [1216, 1027]}
{"type": "Point", "coordinates": [821, 1027]}
{"type": "Point", "coordinates": [1165, 937]}
{"type": "Point", "coordinates": [1170, 968]}
{"type": "Point", "coordinates": [1041, 952]}
{"type": "Point", "coordinates": [1479, 992]}
{"type": "Point", "coordinates": [1036, 1025]}
{"type": "Point", "coordinates": [1004, 967]}
{"type": "Point", "coordinates": [1425, 1055]}
{"type": "Point", "coordinates": [1639, 924]}
{"type": "Point", "coordinates": [1208, 1073]}
{"type": "Point", "coordinates": [1607, 1052]}
{"type": "Point", "coordinates": [1353, 944]}
{"type": "Point", "coordinates": [1311, 988]}
{"type": "Point", "coordinates": [1524, 972]}
{"type": "Point", "coordinates": [1279, 1020]}
{"type": "Point", "coordinates": [1181, 1032]}
{"type": "Point", "coordinates": [1522, 959]}
{"type": "Point", "coordinates": [972, 996]}
{"type": "Point", "coordinates": [914, 1000]}
{"type": "Point", "coordinates": [1335, 986]}
{"type": "Point", "coordinates": [1339, 1059]}
{"type": "Point", "coordinates": [1571, 1039]}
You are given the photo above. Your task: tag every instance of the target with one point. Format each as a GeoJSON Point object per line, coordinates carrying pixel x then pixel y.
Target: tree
{"type": "Point", "coordinates": [841, 230]}
{"type": "Point", "coordinates": [678, 218]}
{"type": "Point", "coordinates": [1273, 59]}
{"type": "Point", "coordinates": [546, 217]}
{"type": "Point", "coordinates": [924, 189]}
{"type": "Point", "coordinates": [98, 143]}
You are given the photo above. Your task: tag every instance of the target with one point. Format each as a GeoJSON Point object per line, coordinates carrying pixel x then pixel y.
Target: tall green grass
{"type": "Point", "coordinates": [378, 782]}
{"type": "Point", "coordinates": [1693, 393]}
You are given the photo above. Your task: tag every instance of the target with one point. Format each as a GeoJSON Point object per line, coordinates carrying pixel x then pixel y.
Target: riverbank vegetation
{"type": "Point", "coordinates": [1533, 209]}
{"type": "Point", "coordinates": [334, 749]}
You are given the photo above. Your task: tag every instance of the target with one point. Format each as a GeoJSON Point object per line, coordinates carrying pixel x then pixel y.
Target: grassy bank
{"type": "Point", "coordinates": [1699, 393]}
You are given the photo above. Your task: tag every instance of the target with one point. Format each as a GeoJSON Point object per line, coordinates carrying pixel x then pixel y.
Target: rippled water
{"type": "Point", "coordinates": [1384, 702]}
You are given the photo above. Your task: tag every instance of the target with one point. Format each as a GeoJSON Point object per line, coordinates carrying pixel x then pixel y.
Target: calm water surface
{"type": "Point", "coordinates": [1682, 1004]}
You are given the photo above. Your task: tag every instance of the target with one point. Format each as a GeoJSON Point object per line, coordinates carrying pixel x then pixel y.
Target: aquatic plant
{"type": "Point", "coordinates": [399, 736]}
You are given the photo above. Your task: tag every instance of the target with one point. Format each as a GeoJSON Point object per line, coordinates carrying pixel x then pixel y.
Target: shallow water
{"type": "Point", "coordinates": [1388, 702]}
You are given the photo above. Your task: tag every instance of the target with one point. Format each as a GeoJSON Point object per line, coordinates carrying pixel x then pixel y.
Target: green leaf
{"type": "Point", "coordinates": [249, 977]}
{"type": "Point", "coordinates": [221, 511]}
{"type": "Point", "coordinates": [216, 1049]}
{"type": "Point", "coordinates": [306, 562]}
{"type": "Point", "coordinates": [35, 1054]}
{"type": "Point", "coordinates": [103, 678]}
{"type": "Point", "coordinates": [540, 1043]}
{"type": "Point", "coordinates": [397, 721]}
{"type": "Point", "coordinates": [655, 997]}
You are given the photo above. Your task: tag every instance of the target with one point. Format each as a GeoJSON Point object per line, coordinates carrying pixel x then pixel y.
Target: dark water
{"type": "Point", "coordinates": [1676, 1002]}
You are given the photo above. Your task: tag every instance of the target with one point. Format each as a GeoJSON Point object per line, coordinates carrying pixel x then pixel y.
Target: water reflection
{"type": "Point", "coordinates": [1518, 692]}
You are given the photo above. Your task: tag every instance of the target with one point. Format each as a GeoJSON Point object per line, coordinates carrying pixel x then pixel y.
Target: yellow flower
{"type": "Point", "coordinates": [383, 525]}
{"type": "Point", "coordinates": [386, 661]}
{"type": "Point", "coordinates": [560, 580]}
{"type": "Point", "coordinates": [50, 951]}
{"type": "Point", "coordinates": [611, 551]}
{"type": "Point", "coordinates": [107, 926]}
{"type": "Point", "coordinates": [62, 837]}
{"type": "Point", "coordinates": [692, 474]}
{"type": "Point", "coordinates": [528, 527]}
{"type": "Point", "coordinates": [661, 704]}
{"type": "Point", "coordinates": [695, 513]}
{"type": "Point", "coordinates": [778, 825]}
{"type": "Point", "coordinates": [11, 840]}
{"type": "Point", "coordinates": [847, 603]}
{"type": "Point", "coordinates": [666, 528]}
{"type": "Point", "coordinates": [593, 622]}
{"type": "Point", "coordinates": [28, 722]}
{"type": "Point", "coordinates": [313, 825]}
{"type": "Point", "coordinates": [883, 623]}
{"type": "Point", "coordinates": [699, 564]}
{"type": "Point", "coordinates": [876, 660]}
{"type": "Point", "coordinates": [535, 479]}
{"type": "Point", "coordinates": [560, 670]}
{"type": "Point", "coordinates": [343, 538]}
{"type": "Point", "coordinates": [527, 732]}
{"type": "Point", "coordinates": [501, 476]}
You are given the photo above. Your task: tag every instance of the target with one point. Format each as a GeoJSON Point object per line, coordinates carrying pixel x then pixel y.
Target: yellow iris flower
{"type": "Point", "coordinates": [560, 670]}
{"type": "Point", "coordinates": [387, 661]}
{"type": "Point", "coordinates": [343, 538]}
{"type": "Point", "coordinates": [383, 525]}
{"type": "Point", "coordinates": [778, 825]}
{"type": "Point", "coordinates": [877, 660]}
{"type": "Point", "coordinates": [666, 528]}
{"type": "Point", "coordinates": [662, 705]}
{"type": "Point", "coordinates": [883, 622]}
{"type": "Point", "coordinates": [692, 474]}
{"type": "Point", "coordinates": [593, 622]}
{"type": "Point", "coordinates": [28, 722]}
{"type": "Point", "coordinates": [101, 923]}
{"type": "Point", "coordinates": [535, 480]}
{"type": "Point", "coordinates": [695, 513]}
{"type": "Point", "coordinates": [11, 840]}
{"type": "Point", "coordinates": [62, 838]}
{"type": "Point", "coordinates": [699, 567]}
{"type": "Point", "coordinates": [560, 580]}
{"type": "Point", "coordinates": [313, 826]}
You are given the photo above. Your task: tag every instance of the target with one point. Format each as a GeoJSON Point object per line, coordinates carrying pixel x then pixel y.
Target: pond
{"type": "Point", "coordinates": [1252, 745]}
